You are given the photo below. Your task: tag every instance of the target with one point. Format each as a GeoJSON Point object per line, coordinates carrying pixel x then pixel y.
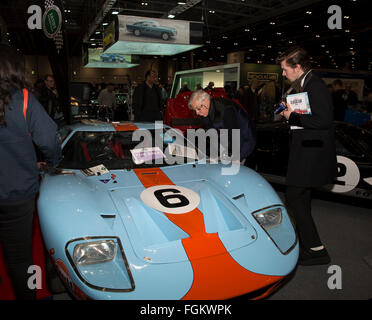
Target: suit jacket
{"type": "Point", "coordinates": [312, 158]}
{"type": "Point", "coordinates": [139, 101]}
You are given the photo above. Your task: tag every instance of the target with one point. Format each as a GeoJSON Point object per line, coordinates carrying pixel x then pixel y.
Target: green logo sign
{"type": "Point", "coordinates": [52, 21]}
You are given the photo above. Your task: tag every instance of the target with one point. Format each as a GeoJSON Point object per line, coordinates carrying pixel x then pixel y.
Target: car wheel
{"type": "Point", "coordinates": [137, 32]}
{"type": "Point", "coordinates": [165, 36]}
{"type": "Point", "coordinates": [54, 282]}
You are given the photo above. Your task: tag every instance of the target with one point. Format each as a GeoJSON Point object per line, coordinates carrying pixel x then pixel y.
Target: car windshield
{"type": "Point", "coordinates": [127, 149]}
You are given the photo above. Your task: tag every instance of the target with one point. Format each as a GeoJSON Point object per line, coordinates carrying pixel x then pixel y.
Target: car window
{"type": "Point", "coordinates": [127, 149]}
{"type": "Point", "coordinates": [352, 140]}
{"type": "Point", "coordinates": [62, 134]}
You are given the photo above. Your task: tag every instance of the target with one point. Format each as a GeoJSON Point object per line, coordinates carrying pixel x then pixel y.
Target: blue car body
{"type": "Point", "coordinates": [105, 57]}
{"type": "Point", "coordinates": [152, 256]}
{"type": "Point", "coordinates": [151, 28]}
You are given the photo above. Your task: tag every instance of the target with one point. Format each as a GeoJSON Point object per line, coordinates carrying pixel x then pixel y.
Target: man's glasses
{"type": "Point", "coordinates": [200, 107]}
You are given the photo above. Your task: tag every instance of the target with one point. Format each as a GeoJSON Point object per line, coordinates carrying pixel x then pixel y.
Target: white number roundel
{"type": "Point", "coordinates": [348, 175]}
{"type": "Point", "coordinates": [170, 199]}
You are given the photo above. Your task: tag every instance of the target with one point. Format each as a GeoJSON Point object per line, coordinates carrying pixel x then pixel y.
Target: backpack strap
{"type": "Point", "coordinates": [25, 102]}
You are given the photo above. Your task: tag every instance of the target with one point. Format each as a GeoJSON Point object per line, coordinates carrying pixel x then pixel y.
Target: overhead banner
{"type": "Point", "coordinates": [152, 36]}
{"type": "Point", "coordinates": [96, 58]}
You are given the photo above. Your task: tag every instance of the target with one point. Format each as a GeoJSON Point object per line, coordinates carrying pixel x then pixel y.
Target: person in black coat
{"type": "Point", "coordinates": [339, 97]}
{"type": "Point", "coordinates": [221, 113]}
{"type": "Point", "coordinates": [147, 99]}
{"type": "Point", "coordinates": [312, 159]}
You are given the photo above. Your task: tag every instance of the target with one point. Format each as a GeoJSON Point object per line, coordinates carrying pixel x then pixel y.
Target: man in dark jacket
{"type": "Point", "coordinates": [221, 113]}
{"type": "Point", "coordinates": [339, 97]}
{"type": "Point", "coordinates": [147, 101]}
{"type": "Point", "coordinates": [48, 97]}
{"type": "Point", "coordinates": [312, 158]}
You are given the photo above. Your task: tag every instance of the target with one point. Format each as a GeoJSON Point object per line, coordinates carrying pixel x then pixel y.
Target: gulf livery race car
{"type": "Point", "coordinates": [133, 212]}
{"type": "Point", "coordinates": [353, 149]}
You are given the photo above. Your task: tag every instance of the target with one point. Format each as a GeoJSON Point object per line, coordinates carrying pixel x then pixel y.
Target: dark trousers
{"type": "Point", "coordinates": [16, 242]}
{"type": "Point", "coordinates": [298, 200]}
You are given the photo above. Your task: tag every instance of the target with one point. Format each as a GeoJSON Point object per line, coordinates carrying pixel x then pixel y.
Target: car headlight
{"type": "Point", "coordinates": [94, 252]}
{"type": "Point", "coordinates": [276, 223]}
{"type": "Point", "coordinates": [270, 218]}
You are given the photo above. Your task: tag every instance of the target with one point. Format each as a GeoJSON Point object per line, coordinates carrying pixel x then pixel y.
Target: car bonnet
{"type": "Point", "coordinates": [161, 215]}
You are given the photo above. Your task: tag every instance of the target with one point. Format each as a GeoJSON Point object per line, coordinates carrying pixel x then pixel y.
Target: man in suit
{"type": "Point", "coordinates": [312, 158]}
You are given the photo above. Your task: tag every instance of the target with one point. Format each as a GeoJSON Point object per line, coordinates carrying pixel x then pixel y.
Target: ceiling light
{"type": "Point", "coordinates": [246, 30]}
{"type": "Point", "coordinates": [115, 12]}
{"type": "Point", "coordinates": [105, 23]}
{"type": "Point", "coordinates": [171, 16]}
{"type": "Point", "coordinates": [212, 11]}
{"type": "Point", "coordinates": [308, 12]}
{"type": "Point", "coordinates": [181, 3]}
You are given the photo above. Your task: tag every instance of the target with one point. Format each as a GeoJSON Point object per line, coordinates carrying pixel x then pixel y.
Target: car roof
{"type": "Point", "coordinates": [97, 125]}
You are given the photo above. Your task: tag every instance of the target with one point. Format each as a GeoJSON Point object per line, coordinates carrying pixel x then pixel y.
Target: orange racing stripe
{"type": "Point", "coordinates": [216, 274]}
{"type": "Point", "coordinates": [124, 126]}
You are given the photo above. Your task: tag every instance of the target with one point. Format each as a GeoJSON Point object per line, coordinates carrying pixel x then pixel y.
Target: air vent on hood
{"type": "Point", "coordinates": [109, 219]}
{"type": "Point", "coordinates": [238, 196]}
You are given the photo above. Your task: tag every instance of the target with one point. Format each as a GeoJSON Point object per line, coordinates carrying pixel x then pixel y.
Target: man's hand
{"type": "Point", "coordinates": [286, 112]}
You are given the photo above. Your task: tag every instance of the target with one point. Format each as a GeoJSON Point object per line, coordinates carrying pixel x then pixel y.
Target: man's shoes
{"type": "Point", "coordinates": [310, 257]}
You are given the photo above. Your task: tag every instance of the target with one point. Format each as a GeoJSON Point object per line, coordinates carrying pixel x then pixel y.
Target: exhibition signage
{"type": "Point", "coordinates": [152, 36]}
{"type": "Point", "coordinates": [52, 21]}
{"type": "Point", "coordinates": [96, 58]}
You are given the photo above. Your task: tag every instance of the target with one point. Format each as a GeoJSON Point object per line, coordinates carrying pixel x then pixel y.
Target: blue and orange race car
{"type": "Point", "coordinates": [135, 211]}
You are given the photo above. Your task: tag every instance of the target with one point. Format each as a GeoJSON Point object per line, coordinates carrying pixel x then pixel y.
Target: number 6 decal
{"type": "Point", "coordinates": [170, 199]}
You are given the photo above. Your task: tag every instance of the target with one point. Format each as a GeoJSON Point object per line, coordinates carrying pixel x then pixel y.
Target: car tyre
{"type": "Point", "coordinates": [165, 36]}
{"type": "Point", "coordinates": [137, 32]}
{"type": "Point", "coordinates": [54, 283]}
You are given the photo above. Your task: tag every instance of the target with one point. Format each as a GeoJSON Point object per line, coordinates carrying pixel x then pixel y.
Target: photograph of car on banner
{"type": "Point", "coordinates": [153, 36]}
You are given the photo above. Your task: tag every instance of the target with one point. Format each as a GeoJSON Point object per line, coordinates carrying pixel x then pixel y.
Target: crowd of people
{"type": "Point", "coordinates": [344, 98]}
